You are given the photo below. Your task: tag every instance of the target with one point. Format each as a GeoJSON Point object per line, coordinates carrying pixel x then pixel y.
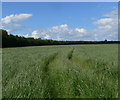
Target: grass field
{"type": "Point", "coordinates": [73, 71]}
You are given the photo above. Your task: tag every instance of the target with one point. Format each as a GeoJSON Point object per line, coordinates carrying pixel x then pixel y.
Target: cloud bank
{"type": "Point", "coordinates": [107, 28]}
{"type": "Point", "coordinates": [15, 18]}
{"type": "Point", "coordinates": [9, 22]}
{"type": "Point", "coordinates": [60, 32]}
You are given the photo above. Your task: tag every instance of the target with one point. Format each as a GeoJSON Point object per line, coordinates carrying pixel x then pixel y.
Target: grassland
{"type": "Point", "coordinates": [0, 73]}
{"type": "Point", "coordinates": [74, 71]}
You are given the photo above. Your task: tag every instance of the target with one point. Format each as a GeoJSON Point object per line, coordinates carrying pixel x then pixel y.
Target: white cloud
{"type": "Point", "coordinates": [15, 18]}
{"type": "Point", "coordinates": [107, 28]}
{"type": "Point", "coordinates": [60, 26]}
{"type": "Point", "coordinates": [64, 26]}
{"type": "Point", "coordinates": [39, 34]}
{"type": "Point", "coordinates": [104, 21]}
{"type": "Point", "coordinates": [60, 32]}
{"type": "Point", "coordinates": [81, 30]}
{"type": "Point", "coordinates": [34, 32]}
{"type": "Point", "coordinates": [47, 36]}
{"type": "Point", "coordinates": [9, 22]}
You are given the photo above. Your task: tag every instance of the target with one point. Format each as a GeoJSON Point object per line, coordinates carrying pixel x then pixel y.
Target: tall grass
{"type": "Point", "coordinates": [76, 71]}
{"type": "Point", "coordinates": [0, 73]}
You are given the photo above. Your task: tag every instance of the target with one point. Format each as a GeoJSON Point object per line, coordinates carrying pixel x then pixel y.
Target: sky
{"type": "Point", "coordinates": [61, 20]}
{"type": "Point", "coordinates": [60, 0]}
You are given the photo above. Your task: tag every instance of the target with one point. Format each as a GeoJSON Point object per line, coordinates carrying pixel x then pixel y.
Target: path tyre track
{"type": "Point", "coordinates": [70, 55]}
{"type": "Point", "coordinates": [48, 88]}
{"type": "Point", "coordinates": [75, 70]}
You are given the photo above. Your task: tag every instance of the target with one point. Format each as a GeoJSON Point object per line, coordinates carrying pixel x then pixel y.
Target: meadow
{"type": "Point", "coordinates": [64, 71]}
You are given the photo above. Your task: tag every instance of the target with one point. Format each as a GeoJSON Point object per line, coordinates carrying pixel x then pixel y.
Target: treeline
{"type": "Point", "coordinates": [20, 41]}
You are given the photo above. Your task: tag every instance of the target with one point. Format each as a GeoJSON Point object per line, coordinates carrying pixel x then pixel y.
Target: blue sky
{"type": "Point", "coordinates": [76, 17]}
